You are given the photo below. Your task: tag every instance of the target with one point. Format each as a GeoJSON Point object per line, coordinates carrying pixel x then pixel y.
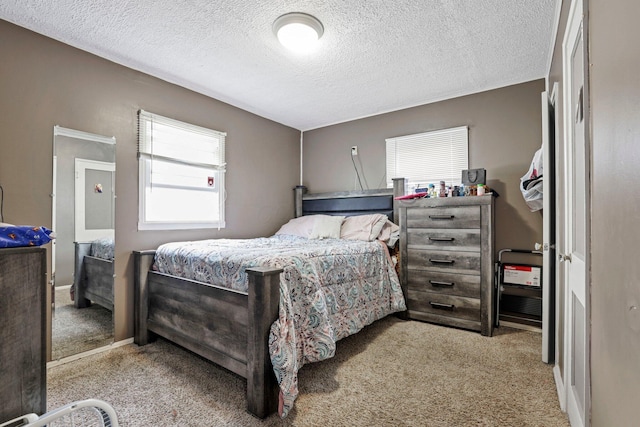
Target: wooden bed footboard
{"type": "Point", "coordinates": [93, 278]}
{"type": "Point", "coordinates": [224, 326]}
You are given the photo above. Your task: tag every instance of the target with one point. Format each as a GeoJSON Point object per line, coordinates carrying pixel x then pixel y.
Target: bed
{"type": "Point", "coordinates": [253, 329]}
{"type": "Point", "coordinates": [93, 273]}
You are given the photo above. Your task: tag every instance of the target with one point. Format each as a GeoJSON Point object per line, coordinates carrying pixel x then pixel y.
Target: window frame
{"type": "Point", "coordinates": [458, 135]}
{"type": "Point", "coordinates": [146, 157]}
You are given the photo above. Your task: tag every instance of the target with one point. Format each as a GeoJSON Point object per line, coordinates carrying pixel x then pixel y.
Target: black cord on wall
{"type": "Point", "coordinates": [1, 203]}
{"type": "Point", "coordinates": [357, 173]}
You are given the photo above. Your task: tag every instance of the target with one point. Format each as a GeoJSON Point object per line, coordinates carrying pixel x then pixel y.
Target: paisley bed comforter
{"type": "Point", "coordinates": [329, 289]}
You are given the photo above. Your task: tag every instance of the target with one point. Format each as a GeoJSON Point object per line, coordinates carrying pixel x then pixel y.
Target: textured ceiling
{"type": "Point", "coordinates": [375, 56]}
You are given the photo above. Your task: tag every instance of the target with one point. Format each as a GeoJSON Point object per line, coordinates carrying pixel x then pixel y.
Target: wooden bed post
{"type": "Point", "coordinates": [142, 261]}
{"type": "Point", "coordinates": [299, 192]}
{"type": "Point", "coordinates": [398, 190]}
{"type": "Point", "coordinates": [81, 250]}
{"type": "Point", "coordinates": [263, 306]}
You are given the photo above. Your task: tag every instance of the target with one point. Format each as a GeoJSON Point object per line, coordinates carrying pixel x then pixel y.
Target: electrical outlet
{"type": "Point", "coordinates": [354, 150]}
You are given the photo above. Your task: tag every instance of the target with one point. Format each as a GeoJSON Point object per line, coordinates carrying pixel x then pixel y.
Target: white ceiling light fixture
{"type": "Point", "coordinates": [298, 31]}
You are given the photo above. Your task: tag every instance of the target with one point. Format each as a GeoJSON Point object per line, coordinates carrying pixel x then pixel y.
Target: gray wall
{"type": "Point", "coordinates": [615, 273]}
{"type": "Point", "coordinates": [504, 133]}
{"type": "Point", "coordinates": [45, 83]}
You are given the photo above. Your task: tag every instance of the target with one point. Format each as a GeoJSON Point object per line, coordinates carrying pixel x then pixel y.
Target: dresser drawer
{"type": "Point", "coordinates": [444, 239]}
{"type": "Point", "coordinates": [444, 261]}
{"type": "Point", "coordinates": [440, 217]}
{"type": "Point", "coordinates": [464, 285]}
{"type": "Point", "coordinates": [444, 305]}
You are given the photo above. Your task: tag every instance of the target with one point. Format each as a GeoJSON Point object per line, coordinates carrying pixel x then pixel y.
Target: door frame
{"type": "Point", "coordinates": [576, 27]}
{"type": "Point", "coordinates": [549, 237]}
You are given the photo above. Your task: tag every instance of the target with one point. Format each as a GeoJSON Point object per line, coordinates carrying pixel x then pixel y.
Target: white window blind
{"type": "Point", "coordinates": [181, 169]}
{"type": "Point", "coordinates": [428, 157]}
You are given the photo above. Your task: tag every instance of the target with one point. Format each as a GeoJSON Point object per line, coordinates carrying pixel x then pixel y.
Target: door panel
{"type": "Point", "coordinates": [98, 205]}
{"type": "Point", "coordinates": [95, 200]}
{"type": "Point", "coordinates": [576, 375]}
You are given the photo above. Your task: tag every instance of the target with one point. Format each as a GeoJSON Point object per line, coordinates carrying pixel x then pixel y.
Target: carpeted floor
{"type": "Point", "coordinates": [393, 373]}
{"type": "Point", "coordinates": [78, 330]}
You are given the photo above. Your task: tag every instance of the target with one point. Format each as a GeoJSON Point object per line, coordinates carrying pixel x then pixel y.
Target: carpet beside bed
{"type": "Point", "coordinates": [391, 373]}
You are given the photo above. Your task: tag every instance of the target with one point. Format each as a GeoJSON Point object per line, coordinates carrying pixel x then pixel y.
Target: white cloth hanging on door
{"type": "Point", "coordinates": [531, 183]}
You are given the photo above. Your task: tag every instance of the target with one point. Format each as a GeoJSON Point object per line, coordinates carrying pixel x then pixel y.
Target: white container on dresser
{"type": "Point", "coordinates": [447, 260]}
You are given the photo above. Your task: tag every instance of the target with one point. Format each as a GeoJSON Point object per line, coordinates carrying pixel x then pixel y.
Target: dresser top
{"type": "Point", "coordinates": [21, 249]}
{"type": "Point", "coordinates": [487, 199]}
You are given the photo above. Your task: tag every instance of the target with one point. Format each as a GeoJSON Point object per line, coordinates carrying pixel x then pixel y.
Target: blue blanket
{"type": "Point", "coordinates": [15, 236]}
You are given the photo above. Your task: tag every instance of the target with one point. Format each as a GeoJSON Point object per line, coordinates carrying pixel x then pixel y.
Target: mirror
{"type": "Point", "coordinates": [82, 253]}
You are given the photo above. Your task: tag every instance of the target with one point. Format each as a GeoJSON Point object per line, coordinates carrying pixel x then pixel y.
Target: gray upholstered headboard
{"type": "Point", "coordinates": [349, 203]}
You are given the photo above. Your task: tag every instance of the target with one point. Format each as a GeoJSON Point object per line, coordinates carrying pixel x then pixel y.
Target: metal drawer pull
{"type": "Point", "coordinates": [441, 216]}
{"type": "Point", "coordinates": [441, 306]}
{"type": "Point", "coordinates": [442, 239]}
{"type": "Point", "coordinates": [441, 261]}
{"type": "Point", "coordinates": [441, 284]}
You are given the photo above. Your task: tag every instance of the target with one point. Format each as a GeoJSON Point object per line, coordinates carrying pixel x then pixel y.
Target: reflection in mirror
{"type": "Point", "coordinates": [82, 253]}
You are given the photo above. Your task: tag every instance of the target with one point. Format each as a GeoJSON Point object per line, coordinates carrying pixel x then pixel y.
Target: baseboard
{"type": "Point", "coordinates": [515, 325]}
{"type": "Point", "coordinates": [560, 388]}
{"type": "Point", "coordinates": [98, 350]}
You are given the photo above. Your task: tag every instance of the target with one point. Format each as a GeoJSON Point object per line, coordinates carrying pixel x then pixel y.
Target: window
{"type": "Point", "coordinates": [181, 169]}
{"type": "Point", "coordinates": [428, 158]}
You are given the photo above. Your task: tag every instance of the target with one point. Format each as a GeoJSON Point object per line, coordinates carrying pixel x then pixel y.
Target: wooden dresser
{"type": "Point", "coordinates": [447, 260]}
{"type": "Point", "coordinates": [23, 374]}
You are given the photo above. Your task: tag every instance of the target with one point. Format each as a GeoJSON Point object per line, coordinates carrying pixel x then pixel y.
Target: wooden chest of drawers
{"type": "Point", "coordinates": [23, 290]}
{"type": "Point", "coordinates": [447, 260]}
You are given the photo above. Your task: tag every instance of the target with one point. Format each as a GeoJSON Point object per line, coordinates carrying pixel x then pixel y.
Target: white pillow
{"type": "Point", "coordinates": [326, 226]}
{"type": "Point", "coordinates": [390, 233]}
{"type": "Point", "coordinates": [302, 226]}
{"type": "Point", "coordinates": [362, 227]}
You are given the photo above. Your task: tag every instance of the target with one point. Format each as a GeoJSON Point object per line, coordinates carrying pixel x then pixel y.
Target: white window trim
{"type": "Point", "coordinates": [143, 184]}
{"type": "Point", "coordinates": [461, 135]}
